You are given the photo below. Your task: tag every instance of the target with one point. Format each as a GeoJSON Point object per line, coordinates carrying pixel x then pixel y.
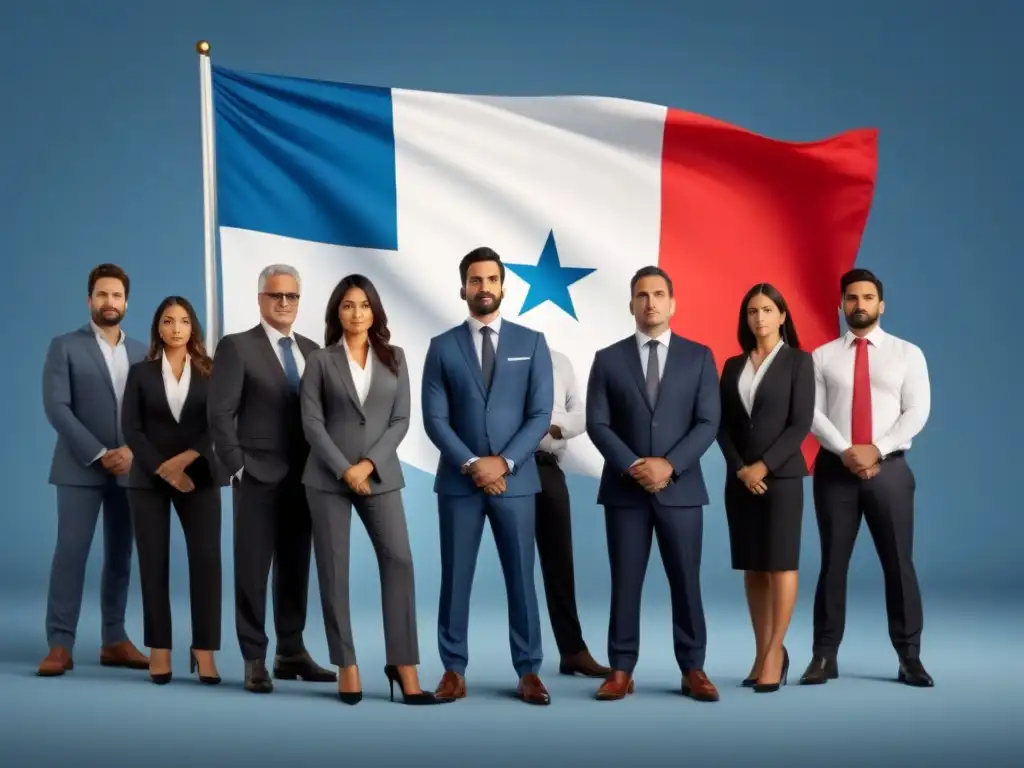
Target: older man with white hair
{"type": "Point", "coordinates": [257, 432]}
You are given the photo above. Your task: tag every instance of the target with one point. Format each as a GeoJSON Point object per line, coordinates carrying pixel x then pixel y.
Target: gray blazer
{"type": "Point", "coordinates": [341, 432]}
{"type": "Point", "coordinates": [81, 406]}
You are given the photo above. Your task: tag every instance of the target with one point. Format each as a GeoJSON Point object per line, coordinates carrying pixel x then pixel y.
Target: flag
{"type": "Point", "coordinates": [574, 192]}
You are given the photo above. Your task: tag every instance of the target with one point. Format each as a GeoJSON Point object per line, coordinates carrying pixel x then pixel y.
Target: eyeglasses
{"type": "Point", "coordinates": [280, 298]}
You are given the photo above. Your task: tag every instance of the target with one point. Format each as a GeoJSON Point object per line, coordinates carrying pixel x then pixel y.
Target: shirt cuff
{"type": "Point", "coordinates": [98, 456]}
{"type": "Point", "coordinates": [511, 464]}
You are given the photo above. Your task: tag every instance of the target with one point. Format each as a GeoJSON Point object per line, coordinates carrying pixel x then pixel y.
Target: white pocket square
{"type": "Point", "coordinates": [517, 359]}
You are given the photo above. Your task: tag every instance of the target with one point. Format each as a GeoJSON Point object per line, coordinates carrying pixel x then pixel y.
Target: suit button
{"type": "Point", "coordinates": [362, 422]}
{"type": "Point", "coordinates": [654, 423]}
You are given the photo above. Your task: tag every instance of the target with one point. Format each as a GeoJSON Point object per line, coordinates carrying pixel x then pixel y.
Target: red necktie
{"type": "Point", "coordinates": [860, 423]}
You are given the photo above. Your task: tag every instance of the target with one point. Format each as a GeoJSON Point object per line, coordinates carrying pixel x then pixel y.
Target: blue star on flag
{"type": "Point", "coordinates": [549, 280]}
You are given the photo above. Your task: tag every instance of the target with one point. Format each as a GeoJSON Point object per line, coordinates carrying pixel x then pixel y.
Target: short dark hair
{"type": "Point", "coordinates": [483, 253]}
{"type": "Point", "coordinates": [109, 270]}
{"type": "Point", "coordinates": [860, 276]}
{"type": "Point", "coordinates": [745, 336]}
{"type": "Point", "coordinates": [650, 272]}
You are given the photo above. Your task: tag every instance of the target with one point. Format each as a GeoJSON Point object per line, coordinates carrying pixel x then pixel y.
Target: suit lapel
{"type": "Point", "coordinates": [776, 362]}
{"type": "Point", "coordinates": [631, 361]}
{"type": "Point", "coordinates": [673, 368]}
{"type": "Point", "coordinates": [92, 347]}
{"type": "Point", "coordinates": [269, 355]}
{"type": "Point", "coordinates": [506, 340]}
{"type": "Point", "coordinates": [465, 340]}
{"type": "Point", "coordinates": [339, 359]}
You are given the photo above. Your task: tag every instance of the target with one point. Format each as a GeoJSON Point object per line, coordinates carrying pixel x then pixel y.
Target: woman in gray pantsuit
{"type": "Point", "coordinates": [355, 412]}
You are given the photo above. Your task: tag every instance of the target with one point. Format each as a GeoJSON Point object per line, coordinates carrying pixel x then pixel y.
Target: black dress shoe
{"type": "Point", "coordinates": [913, 673]}
{"type": "Point", "coordinates": [256, 678]}
{"type": "Point", "coordinates": [820, 670]}
{"type": "Point", "coordinates": [302, 666]}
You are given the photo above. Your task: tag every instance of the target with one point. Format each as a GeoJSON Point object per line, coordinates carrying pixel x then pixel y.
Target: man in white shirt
{"type": "Point", "coordinates": [554, 523]}
{"type": "Point", "coordinates": [872, 399]}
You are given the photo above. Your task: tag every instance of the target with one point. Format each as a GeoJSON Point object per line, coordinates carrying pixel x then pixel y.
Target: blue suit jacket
{"type": "Point", "coordinates": [465, 421]}
{"type": "Point", "coordinates": [680, 428]}
{"type": "Point", "coordinates": [80, 404]}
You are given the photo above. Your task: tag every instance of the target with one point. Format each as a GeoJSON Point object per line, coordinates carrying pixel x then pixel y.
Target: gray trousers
{"type": "Point", "coordinates": [78, 509]}
{"type": "Point", "coordinates": [384, 518]}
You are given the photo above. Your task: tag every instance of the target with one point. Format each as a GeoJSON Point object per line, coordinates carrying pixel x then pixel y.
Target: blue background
{"type": "Point", "coordinates": [100, 160]}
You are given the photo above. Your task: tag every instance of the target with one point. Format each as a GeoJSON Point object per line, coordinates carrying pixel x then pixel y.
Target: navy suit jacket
{"type": "Point", "coordinates": [464, 420]}
{"type": "Point", "coordinates": [680, 428]}
{"type": "Point", "coordinates": [80, 404]}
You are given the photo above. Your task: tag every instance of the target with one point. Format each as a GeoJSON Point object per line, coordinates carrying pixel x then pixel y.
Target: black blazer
{"type": "Point", "coordinates": [255, 417]}
{"type": "Point", "coordinates": [780, 418]}
{"type": "Point", "coordinates": [153, 435]}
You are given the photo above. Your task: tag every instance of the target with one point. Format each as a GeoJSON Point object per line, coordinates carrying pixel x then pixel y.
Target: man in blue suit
{"type": "Point", "coordinates": [488, 389]}
{"type": "Point", "coordinates": [83, 382]}
{"type": "Point", "coordinates": [652, 411]}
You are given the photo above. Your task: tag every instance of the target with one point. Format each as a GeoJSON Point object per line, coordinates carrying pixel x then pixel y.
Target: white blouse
{"type": "Point", "coordinates": [751, 379]}
{"type": "Point", "coordinates": [360, 376]}
{"type": "Point", "coordinates": [177, 389]}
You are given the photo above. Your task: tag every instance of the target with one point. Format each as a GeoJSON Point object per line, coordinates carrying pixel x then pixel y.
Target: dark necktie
{"type": "Point", "coordinates": [653, 379]}
{"type": "Point", "coordinates": [291, 368]}
{"type": "Point", "coordinates": [487, 356]}
{"type": "Point", "coordinates": [860, 422]}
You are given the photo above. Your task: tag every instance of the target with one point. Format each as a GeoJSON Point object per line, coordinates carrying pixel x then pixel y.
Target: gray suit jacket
{"type": "Point", "coordinates": [341, 432]}
{"type": "Point", "coordinates": [80, 404]}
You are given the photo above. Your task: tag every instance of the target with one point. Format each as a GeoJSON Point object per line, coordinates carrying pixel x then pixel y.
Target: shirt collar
{"type": "Point", "coordinates": [275, 335]}
{"type": "Point", "coordinates": [166, 365]}
{"type": "Point", "coordinates": [876, 338]}
{"type": "Point", "coordinates": [642, 338]}
{"type": "Point", "coordinates": [475, 325]}
{"type": "Point", "coordinates": [98, 333]}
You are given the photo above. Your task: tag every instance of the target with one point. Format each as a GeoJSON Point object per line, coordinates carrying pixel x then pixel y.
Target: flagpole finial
{"type": "Point", "coordinates": [203, 48]}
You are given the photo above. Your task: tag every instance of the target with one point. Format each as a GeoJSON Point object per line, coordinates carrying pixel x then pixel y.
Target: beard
{"type": "Point", "coordinates": [861, 319]}
{"type": "Point", "coordinates": [478, 307]}
{"type": "Point", "coordinates": [107, 317]}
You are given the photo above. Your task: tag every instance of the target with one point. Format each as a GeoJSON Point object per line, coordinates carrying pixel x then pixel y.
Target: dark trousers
{"type": "Point", "coordinates": [78, 509]}
{"type": "Point", "coordinates": [680, 533]}
{"type": "Point", "coordinates": [886, 502]}
{"type": "Point", "coordinates": [272, 530]}
{"type": "Point", "coordinates": [461, 521]}
{"type": "Point", "coordinates": [554, 546]}
{"type": "Point", "coordinates": [200, 516]}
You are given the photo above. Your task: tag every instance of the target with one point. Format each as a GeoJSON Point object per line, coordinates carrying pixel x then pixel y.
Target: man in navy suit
{"type": "Point", "coordinates": [652, 411]}
{"type": "Point", "coordinates": [488, 389]}
{"type": "Point", "coordinates": [83, 382]}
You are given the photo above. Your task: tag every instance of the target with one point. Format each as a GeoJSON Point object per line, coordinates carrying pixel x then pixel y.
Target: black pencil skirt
{"type": "Point", "coordinates": [764, 531]}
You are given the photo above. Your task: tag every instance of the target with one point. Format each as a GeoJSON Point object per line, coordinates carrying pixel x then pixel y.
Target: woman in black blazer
{"type": "Point", "coordinates": [163, 419]}
{"type": "Point", "coordinates": [767, 409]}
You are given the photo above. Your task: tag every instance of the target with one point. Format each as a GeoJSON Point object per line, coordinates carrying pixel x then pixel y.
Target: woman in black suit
{"type": "Point", "coordinates": [164, 424]}
{"type": "Point", "coordinates": [767, 409]}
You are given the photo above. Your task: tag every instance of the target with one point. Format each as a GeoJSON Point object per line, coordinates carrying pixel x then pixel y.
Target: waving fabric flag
{"type": "Point", "coordinates": [576, 193]}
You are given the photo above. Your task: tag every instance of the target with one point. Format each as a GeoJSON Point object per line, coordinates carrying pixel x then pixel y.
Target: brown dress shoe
{"type": "Point", "coordinates": [697, 686]}
{"type": "Point", "coordinates": [618, 685]}
{"type": "Point", "coordinates": [582, 663]}
{"type": "Point", "coordinates": [123, 654]}
{"type": "Point", "coordinates": [451, 687]}
{"type": "Point", "coordinates": [532, 690]}
{"type": "Point", "coordinates": [57, 662]}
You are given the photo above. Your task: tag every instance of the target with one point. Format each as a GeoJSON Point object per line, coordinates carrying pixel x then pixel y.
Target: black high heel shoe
{"type": "Point", "coordinates": [773, 687]}
{"type": "Point", "coordinates": [193, 665]}
{"type": "Point", "coordinates": [161, 679]}
{"type": "Point", "coordinates": [409, 698]}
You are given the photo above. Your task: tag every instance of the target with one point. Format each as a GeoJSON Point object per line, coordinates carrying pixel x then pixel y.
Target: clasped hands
{"type": "Point", "coordinates": [653, 473]}
{"type": "Point", "coordinates": [752, 476]}
{"type": "Point", "coordinates": [117, 461]}
{"type": "Point", "coordinates": [173, 471]}
{"type": "Point", "coordinates": [358, 477]}
{"type": "Point", "coordinates": [488, 472]}
{"type": "Point", "coordinates": [865, 461]}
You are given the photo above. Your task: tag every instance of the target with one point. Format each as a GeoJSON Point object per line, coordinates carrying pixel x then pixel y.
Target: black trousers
{"type": "Point", "coordinates": [554, 546]}
{"type": "Point", "coordinates": [886, 502]}
{"type": "Point", "coordinates": [273, 530]}
{"type": "Point", "coordinates": [200, 515]}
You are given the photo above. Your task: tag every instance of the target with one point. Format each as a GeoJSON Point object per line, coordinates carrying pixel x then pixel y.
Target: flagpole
{"type": "Point", "coordinates": [210, 270]}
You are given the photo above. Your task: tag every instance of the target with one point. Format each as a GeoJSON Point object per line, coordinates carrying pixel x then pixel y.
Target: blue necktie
{"type": "Point", "coordinates": [291, 368]}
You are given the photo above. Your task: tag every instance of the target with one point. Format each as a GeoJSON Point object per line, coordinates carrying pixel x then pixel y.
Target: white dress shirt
{"type": "Point", "coordinates": [361, 377]}
{"type": "Point", "coordinates": [116, 358]}
{"type": "Point", "coordinates": [478, 344]}
{"type": "Point", "coordinates": [900, 392]}
{"type": "Point", "coordinates": [750, 379]}
{"type": "Point", "coordinates": [641, 342]}
{"type": "Point", "coordinates": [568, 413]}
{"type": "Point", "coordinates": [176, 389]}
{"type": "Point", "coordinates": [275, 336]}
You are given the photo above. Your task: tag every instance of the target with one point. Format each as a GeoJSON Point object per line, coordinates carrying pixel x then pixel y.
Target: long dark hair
{"type": "Point", "coordinates": [195, 347]}
{"type": "Point", "coordinates": [748, 342]}
{"type": "Point", "coordinates": [379, 334]}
